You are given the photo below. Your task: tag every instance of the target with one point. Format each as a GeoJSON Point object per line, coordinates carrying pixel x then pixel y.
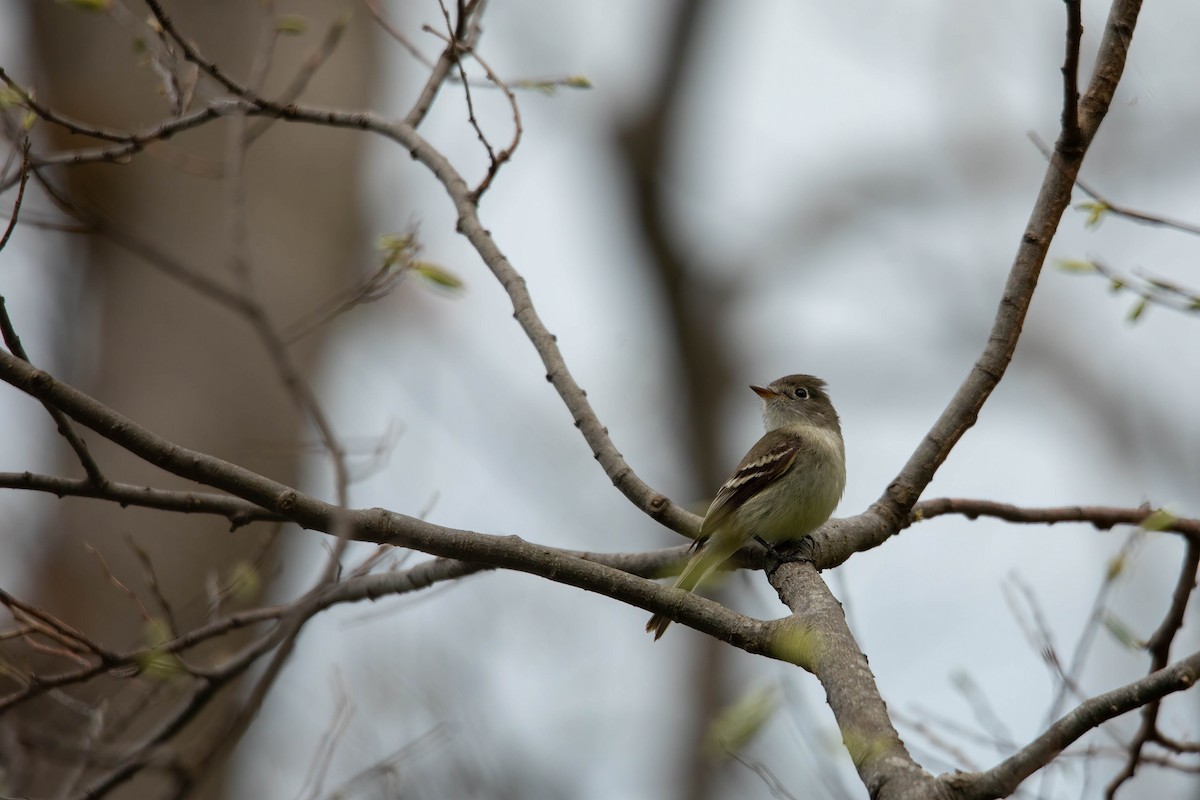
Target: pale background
{"type": "Point", "coordinates": [865, 173]}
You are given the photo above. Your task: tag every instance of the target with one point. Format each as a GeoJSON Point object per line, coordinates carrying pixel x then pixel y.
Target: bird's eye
{"type": "Point", "coordinates": [801, 393]}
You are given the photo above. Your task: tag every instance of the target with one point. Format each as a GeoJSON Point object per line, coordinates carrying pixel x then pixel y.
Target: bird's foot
{"type": "Point", "coordinates": [779, 559]}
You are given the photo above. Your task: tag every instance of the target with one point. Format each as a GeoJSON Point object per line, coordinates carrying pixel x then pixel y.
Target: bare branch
{"type": "Point", "coordinates": [495, 160]}
{"type": "Point", "coordinates": [320, 761]}
{"type": "Point", "coordinates": [1071, 138]}
{"type": "Point", "coordinates": [123, 431]}
{"type": "Point", "coordinates": [1101, 517]}
{"type": "Point", "coordinates": [192, 54]}
{"type": "Point", "coordinates": [119, 584]}
{"type": "Point", "coordinates": [888, 514]}
{"type": "Point", "coordinates": [656, 505]}
{"type": "Point", "coordinates": [53, 117]}
{"type": "Point", "coordinates": [817, 638]}
{"type": "Point", "coordinates": [1159, 647]}
{"type": "Point", "coordinates": [385, 527]}
{"type": "Point", "coordinates": [62, 632]}
{"type": "Point", "coordinates": [431, 738]}
{"type": "Point", "coordinates": [1147, 287]}
{"type": "Point", "coordinates": [289, 373]}
{"type": "Point", "coordinates": [309, 68]}
{"type": "Point", "coordinates": [23, 146]}
{"type": "Point", "coordinates": [237, 511]}
{"type": "Point", "coordinates": [13, 341]}
{"type": "Point", "coordinates": [1104, 205]}
{"type": "Point", "coordinates": [65, 429]}
{"type": "Point", "coordinates": [152, 583]}
{"type": "Point", "coordinates": [1003, 779]}
{"type": "Point", "coordinates": [454, 42]}
{"type": "Point", "coordinates": [501, 158]}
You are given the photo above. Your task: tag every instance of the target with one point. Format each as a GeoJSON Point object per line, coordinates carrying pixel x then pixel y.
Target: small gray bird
{"type": "Point", "coordinates": [785, 488]}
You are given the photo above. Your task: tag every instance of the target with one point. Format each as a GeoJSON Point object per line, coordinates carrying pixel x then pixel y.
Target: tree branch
{"type": "Point", "coordinates": [656, 505]}
{"type": "Point", "coordinates": [1070, 138]}
{"type": "Point", "coordinates": [239, 512]}
{"type": "Point", "coordinates": [1101, 517]}
{"type": "Point", "coordinates": [63, 425]}
{"type": "Point", "coordinates": [832, 545]}
{"type": "Point", "coordinates": [819, 640]}
{"type": "Point", "coordinates": [1159, 646]}
{"type": "Point", "coordinates": [1003, 779]}
{"type": "Point", "coordinates": [378, 525]}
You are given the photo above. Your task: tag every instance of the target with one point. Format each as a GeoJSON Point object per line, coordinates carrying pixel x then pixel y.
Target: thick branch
{"type": "Point", "coordinates": [352, 590]}
{"type": "Point", "coordinates": [378, 525]}
{"type": "Point", "coordinates": [821, 642]}
{"type": "Point", "coordinates": [263, 492]}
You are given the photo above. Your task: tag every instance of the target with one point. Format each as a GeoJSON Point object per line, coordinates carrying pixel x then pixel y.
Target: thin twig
{"type": "Point", "coordinates": [237, 511]}
{"type": "Point", "coordinates": [456, 44]}
{"type": "Point", "coordinates": [151, 578]}
{"type": "Point", "coordinates": [1003, 779]}
{"type": "Point", "coordinates": [434, 736]}
{"type": "Point", "coordinates": [496, 160]}
{"type": "Point", "coordinates": [308, 69]}
{"type": "Point", "coordinates": [1147, 287]}
{"type": "Point", "coordinates": [241, 266]}
{"type": "Point", "coordinates": [1108, 206]}
{"type": "Point", "coordinates": [373, 8]}
{"type": "Point", "coordinates": [1093, 625]}
{"type": "Point", "coordinates": [53, 117]}
{"type": "Point", "coordinates": [95, 477]}
{"type": "Point", "coordinates": [1159, 646]}
{"type": "Point", "coordinates": [192, 54]}
{"type": "Point", "coordinates": [343, 712]}
{"type": "Point", "coordinates": [504, 155]}
{"type": "Point", "coordinates": [119, 584]}
{"type": "Point", "coordinates": [13, 341]}
{"type": "Point", "coordinates": [24, 180]}
{"type": "Point", "coordinates": [64, 633]}
{"type": "Point", "coordinates": [1100, 517]}
{"type": "Point", "coordinates": [1071, 138]}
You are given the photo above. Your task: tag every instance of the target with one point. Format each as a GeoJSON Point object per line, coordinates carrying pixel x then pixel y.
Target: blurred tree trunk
{"type": "Point", "coordinates": [695, 312]}
{"type": "Point", "coordinates": [158, 351]}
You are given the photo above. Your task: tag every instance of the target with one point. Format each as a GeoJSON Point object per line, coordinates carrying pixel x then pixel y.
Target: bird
{"type": "Point", "coordinates": [786, 486]}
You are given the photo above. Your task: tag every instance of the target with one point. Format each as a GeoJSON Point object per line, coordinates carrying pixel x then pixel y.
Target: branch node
{"type": "Point", "coordinates": [287, 501]}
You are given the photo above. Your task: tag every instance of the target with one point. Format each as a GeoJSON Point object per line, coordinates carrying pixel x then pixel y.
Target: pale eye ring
{"type": "Point", "coordinates": [801, 393]}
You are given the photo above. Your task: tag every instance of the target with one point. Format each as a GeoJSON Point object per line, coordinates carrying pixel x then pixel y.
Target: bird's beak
{"type": "Point", "coordinates": [763, 392]}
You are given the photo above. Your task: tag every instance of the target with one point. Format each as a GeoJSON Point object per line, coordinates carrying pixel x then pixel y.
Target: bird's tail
{"type": "Point", "coordinates": [711, 555]}
{"type": "Point", "coordinates": [658, 626]}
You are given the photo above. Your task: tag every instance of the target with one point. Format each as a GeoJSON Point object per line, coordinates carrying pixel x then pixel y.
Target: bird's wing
{"type": "Point", "coordinates": [770, 458]}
